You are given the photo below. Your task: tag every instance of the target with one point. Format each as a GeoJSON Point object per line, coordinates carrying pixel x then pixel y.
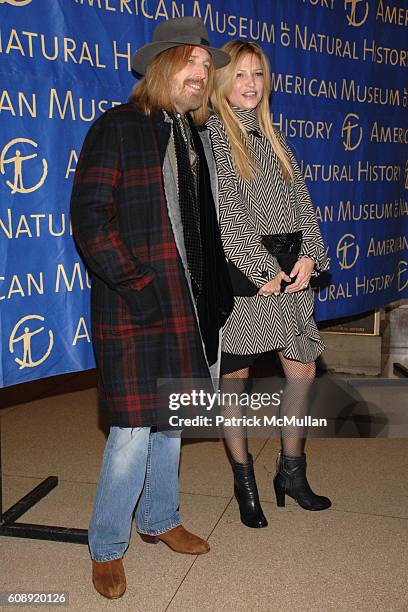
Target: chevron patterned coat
{"type": "Point", "coordinates": [248, 210]}
{"type": "Point", "coordinates": [143, 322]}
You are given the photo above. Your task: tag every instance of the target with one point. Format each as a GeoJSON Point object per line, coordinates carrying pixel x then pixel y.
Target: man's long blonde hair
{"type": "Point", "coordinates": [236, 132]}
{"type": "Point", "coordinates": [153, 90]}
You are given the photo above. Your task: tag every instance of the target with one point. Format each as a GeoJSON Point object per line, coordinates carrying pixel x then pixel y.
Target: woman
{"type": "Point", "coordinates": [262, 193]}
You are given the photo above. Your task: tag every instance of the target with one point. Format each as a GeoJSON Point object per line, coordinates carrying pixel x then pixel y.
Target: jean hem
{"type": "Point", "coordinates": [106, 558]}
{"type": "Point", "coordinates": [157, 532]}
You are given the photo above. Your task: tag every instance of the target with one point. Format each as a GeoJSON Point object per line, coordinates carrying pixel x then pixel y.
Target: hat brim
{"type": "Point", "coordinates": [146, 54]}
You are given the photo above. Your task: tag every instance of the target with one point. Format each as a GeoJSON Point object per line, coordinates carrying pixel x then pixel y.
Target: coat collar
{"type": "Point", "coordinates": [162, 126]}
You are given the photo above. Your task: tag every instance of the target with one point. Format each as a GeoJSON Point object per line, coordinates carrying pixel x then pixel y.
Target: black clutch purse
{"type": "Point", "coordinates": [286, 249]}
{"type": "Point", "coordinates": [241, 285]}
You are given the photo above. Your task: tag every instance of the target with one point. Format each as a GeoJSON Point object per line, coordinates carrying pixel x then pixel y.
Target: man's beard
{"type": "Point", "coordinates": [188, 99]}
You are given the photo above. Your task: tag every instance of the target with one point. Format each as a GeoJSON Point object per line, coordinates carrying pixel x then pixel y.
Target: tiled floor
{"type": "Point", "coordinates": [352, 557]}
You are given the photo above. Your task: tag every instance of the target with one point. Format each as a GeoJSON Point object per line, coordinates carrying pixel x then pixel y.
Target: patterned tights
{"type": "Point", "coordinates": [299, 377]}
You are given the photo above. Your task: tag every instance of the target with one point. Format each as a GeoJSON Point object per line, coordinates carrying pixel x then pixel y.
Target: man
{"type": "Point", "coordinates": [144, 219]}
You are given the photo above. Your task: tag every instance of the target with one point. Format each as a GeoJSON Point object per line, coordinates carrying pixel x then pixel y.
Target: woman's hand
{"type": "Point", "coordinates": [302, 270]}
{"type": "Point", "coordinates": [274, 285]}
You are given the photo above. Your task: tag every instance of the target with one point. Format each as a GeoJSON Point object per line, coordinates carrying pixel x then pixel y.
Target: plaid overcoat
{"type": "Point", "coordinates": [144, 325]}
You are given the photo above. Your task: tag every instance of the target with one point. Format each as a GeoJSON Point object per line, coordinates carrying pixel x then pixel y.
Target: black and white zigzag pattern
{"type": "Point", "coordinates": [248, 210]}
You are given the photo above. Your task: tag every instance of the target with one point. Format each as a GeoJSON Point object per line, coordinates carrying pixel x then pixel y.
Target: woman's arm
{"type": "Point", "coordinates": [312, 242]}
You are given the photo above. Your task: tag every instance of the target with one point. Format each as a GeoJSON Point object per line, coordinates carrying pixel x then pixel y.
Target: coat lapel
{"type": "Point", "coordinates": [162, 131]}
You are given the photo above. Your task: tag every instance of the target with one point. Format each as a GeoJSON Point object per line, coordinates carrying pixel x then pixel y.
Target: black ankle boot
{"type": "Point", "coordinates": [290, 479]}
{"type": "Point", "coordinates": [246, 493]}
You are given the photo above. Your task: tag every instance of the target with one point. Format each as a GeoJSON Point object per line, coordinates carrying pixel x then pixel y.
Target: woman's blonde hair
{"type": "Point", "coordinates": [236, 132]}
{"type": "Point", "coordinates": [153, 90]}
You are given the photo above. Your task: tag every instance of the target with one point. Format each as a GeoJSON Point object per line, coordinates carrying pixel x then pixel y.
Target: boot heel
{"type": "Point", "coordinates": [291, 480]}
{"type": "Point", "coordinates": [280, 497]}
{"type": "Point", "coordinates": [150, 539]}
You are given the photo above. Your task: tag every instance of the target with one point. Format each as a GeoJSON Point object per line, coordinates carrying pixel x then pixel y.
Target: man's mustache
{"type": "Point", "coordinates": [198, 82]}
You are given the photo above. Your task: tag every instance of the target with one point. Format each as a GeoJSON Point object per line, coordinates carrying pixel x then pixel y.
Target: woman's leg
{"type": "Point", "coordinates": [290, 478]}
{"type": "Point", "coordinates": [232, 386]}
{"type": "Point", "coordinates": [299, 378]}
{"type": "Point", "coordinates": [235, 436]}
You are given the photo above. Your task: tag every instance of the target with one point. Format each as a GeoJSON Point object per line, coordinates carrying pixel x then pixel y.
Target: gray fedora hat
{"type": "Point", "coordinates": [175, 32]}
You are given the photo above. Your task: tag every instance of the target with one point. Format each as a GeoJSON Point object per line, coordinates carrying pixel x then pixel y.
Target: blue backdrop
{"type": "Point", "coordinates": [340, 95]}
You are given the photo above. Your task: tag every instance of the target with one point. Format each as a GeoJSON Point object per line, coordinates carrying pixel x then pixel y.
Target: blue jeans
{"type": "Point", "coordinates": [139, 474]}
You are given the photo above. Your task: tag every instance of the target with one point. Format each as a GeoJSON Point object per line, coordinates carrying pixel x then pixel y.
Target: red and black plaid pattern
{"type": "Point", "coordinates": [143, 323]}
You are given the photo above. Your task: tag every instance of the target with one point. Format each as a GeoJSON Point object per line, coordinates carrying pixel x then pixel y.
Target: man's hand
{"type": "Point", "coordinates": [302, 270]}
{"type": "Point", "coordinates": [274, 285]}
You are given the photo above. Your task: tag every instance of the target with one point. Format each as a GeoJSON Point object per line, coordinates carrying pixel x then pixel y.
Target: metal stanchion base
{"type": "Point", "coordinates": [400, 369]}
{"type": "Point", "coordinates": [8, 526]}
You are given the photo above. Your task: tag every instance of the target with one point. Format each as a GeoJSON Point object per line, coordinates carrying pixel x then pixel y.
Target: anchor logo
{"type": "Point", "coordinates": [349, 131]}
{"type": "Point", "coordinates": [345, 248]}
{"type": "Point", "coordinates": [351, 17]}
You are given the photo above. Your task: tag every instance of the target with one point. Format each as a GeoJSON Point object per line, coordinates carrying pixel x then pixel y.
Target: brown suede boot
{"type": "Point", "coordinates": [180, 540]}
{"type": "Point", "coordinates": [109, 578]}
